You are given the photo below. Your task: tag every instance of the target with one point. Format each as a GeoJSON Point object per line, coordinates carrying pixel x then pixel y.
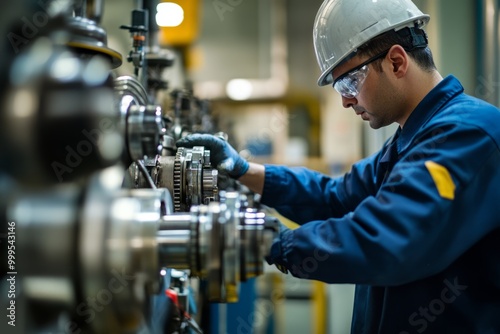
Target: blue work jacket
{"type": "Point", "coordinates": [416, 226]}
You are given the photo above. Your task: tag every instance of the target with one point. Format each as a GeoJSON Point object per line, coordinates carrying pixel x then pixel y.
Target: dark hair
{"type": "Point", "coordinates": [413, 40]}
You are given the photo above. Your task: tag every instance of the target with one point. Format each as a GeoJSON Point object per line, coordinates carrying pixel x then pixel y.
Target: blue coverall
{"type": "Point", "coordinates": [416, 226]}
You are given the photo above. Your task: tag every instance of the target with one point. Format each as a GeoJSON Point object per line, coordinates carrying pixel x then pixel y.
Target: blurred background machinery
{"type": "Point", "coordinates": [111, 228]}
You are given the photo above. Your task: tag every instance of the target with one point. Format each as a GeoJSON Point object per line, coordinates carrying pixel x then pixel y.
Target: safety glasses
{"type": "Point", "coordinates": [349, 84]}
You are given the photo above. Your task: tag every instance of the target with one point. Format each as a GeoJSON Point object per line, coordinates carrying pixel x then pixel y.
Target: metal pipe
{"type": "Point", "coordinates": [90, 9]}
{"type": "Point", "coordinates": [150, 6]}
{"type": "Point", "coordinates": [94, 10]}
{"type": "Point", "coordinates": [488, 39]}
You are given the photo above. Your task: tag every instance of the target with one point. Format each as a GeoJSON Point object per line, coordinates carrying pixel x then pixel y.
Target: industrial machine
{"type": "Point", "coordinates": [107, 227]}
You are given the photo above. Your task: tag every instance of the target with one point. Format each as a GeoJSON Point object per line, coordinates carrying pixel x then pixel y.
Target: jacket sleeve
{"type": "Point", "coordinates": [303, 195]}
{"type": "Point", "coordinates": [409, 223]}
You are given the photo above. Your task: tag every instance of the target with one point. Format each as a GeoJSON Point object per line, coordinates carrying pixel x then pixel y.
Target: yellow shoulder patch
{"type": "Point", "coordinates": [442, 179]}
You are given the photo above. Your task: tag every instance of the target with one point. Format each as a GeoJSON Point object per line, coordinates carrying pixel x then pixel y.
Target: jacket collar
{"type": "Point", "coordinates": [447, 89]}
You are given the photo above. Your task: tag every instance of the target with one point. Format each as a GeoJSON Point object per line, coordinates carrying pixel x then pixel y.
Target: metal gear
{"type": "Point", "coordinates": [178, 179]}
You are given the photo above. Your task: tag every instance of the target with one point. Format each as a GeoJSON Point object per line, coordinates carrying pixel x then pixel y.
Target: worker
{"type": "Point", "coordinates": [416, 226]}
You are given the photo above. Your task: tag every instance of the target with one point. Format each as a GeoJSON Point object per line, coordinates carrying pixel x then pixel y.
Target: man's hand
{"type": "Point", "coordinates": [275, 255]}
{"type": "Point", "coordinates": [222, 155]}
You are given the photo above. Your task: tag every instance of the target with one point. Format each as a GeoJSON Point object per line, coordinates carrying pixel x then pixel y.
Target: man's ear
{"type": "Point", "coordinates": [399, 60]}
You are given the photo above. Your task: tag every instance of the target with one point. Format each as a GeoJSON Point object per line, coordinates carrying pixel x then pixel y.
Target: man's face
{"type": "Point", "coordinates": [367, 90]}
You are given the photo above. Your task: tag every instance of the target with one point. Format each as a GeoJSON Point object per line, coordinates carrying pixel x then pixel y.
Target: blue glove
{"type": "Point", "coordinates": [222, 155]}
{"type": "Point", "coordinates": [276, 255]}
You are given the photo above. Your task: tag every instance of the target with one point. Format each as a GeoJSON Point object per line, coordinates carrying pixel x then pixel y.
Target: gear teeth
{"type": "Point", "coordinates": [178, 179]}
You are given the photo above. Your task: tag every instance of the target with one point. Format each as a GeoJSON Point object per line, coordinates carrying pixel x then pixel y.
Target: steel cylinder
{"type": "Point", "coordinates": [174, 241]}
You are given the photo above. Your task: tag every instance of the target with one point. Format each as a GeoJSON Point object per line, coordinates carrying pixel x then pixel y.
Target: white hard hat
{"type": "Point", "coordinates": [341, 26]}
